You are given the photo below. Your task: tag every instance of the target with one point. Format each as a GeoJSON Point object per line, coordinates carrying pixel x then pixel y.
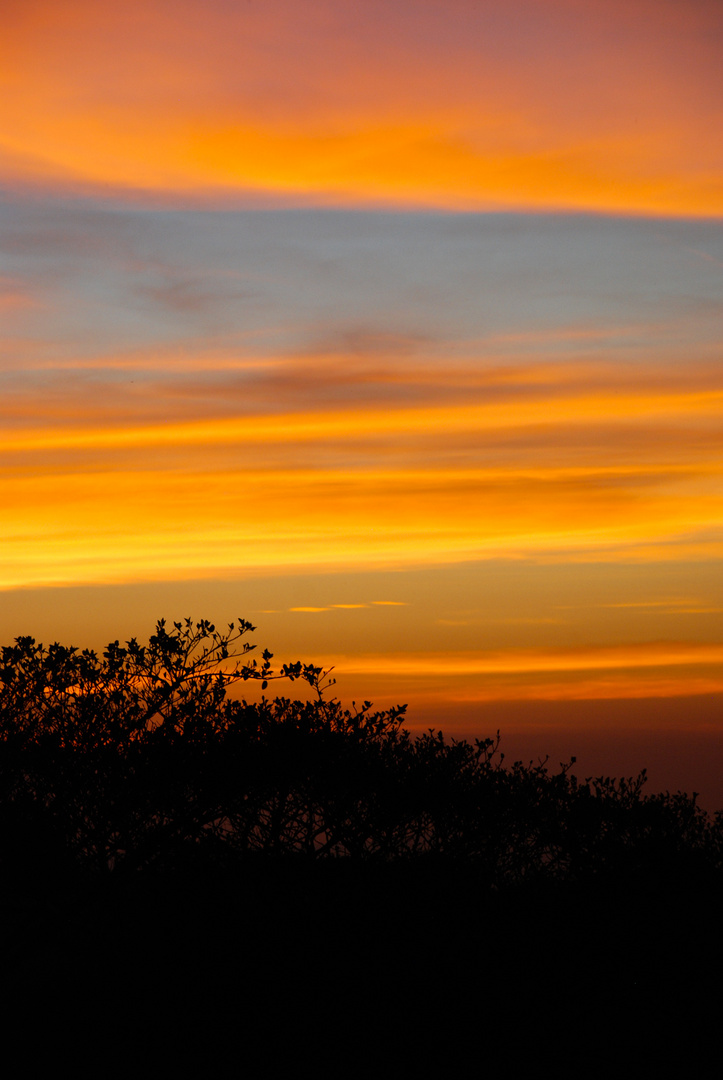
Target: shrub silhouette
{"type": "Point", "coordinates": [140, 760]}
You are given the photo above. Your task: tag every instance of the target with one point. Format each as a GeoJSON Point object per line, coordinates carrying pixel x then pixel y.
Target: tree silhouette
{"type": "Point", "coordinates": [140, 759]}
{"type": "Point", "coordinates": [171, 849]}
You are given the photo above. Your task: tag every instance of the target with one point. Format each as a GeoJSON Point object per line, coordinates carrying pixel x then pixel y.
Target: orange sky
{"type": "Point", "coordinates": [394, 328]}
{"type": "Point", "coordinates": [540, 103]}
{"type": "Point", "coordinates": [603, 505]}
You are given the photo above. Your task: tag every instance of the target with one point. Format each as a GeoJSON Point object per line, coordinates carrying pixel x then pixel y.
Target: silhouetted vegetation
{"type": "Point", "coordinates": [208, 867]}
{"type": "Point", "coordinates": [140, 760]}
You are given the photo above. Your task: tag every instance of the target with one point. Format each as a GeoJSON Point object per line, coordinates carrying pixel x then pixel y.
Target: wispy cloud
{"type": "Point", "coordinates": [95, 525]}
{"type": "Point", "coordinates": [581, 658]}
{"type": "Point", "coordinates": [603, 407]}
{"type": "Point", "coordinates": [318, 104]}
{"type": "Point", "coordinates": [640, 670]}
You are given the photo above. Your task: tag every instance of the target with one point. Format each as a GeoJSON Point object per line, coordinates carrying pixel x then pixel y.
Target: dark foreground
{"type": "Point", "coordinates": [209, 885]}
{"type": "Point", "coordinates": [340, 965]}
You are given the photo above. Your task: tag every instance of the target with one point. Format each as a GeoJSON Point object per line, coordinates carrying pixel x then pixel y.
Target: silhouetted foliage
{"type": "Point", "coordinates": [285, 871]}
{"type": "Point", "coordinates": [140, 759]}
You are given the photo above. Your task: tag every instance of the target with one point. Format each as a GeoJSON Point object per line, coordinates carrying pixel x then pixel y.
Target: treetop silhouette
{"type": "Point", "coordinates": [141, 760]}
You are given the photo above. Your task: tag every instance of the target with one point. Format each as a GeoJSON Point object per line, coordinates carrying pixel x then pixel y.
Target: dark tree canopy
{"type": "Point", "coordinates": [140, 759]}
{"type": "Point", "coordinates": [252, 872]}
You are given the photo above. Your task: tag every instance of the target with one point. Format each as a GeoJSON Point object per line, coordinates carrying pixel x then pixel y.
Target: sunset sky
{"type": "Point", "coordinates": [393, 328]}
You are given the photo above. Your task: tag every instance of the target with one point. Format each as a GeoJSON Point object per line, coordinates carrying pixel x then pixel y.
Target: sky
{"type": "Point", "coordinates": [394, 329]}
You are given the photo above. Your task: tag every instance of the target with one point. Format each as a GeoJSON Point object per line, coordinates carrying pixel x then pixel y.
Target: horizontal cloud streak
{"type": "Point", "coordinates": [545, 103]}
{"type": "Point", "coordinates": [556, 411]}
{"type": "Point", "coordinates": [652, 670]}
{"type": "Point", "coordinates": [522, 661]}
{"type": "Point", "coordinates": [100, 526]}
